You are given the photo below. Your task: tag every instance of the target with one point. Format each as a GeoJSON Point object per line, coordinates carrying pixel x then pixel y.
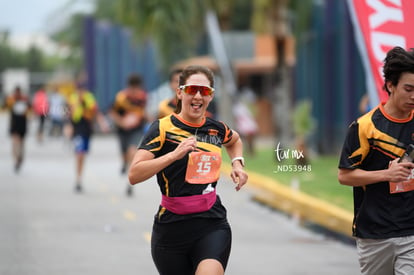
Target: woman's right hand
{"type": "Point", "coordinates": [186, 146]}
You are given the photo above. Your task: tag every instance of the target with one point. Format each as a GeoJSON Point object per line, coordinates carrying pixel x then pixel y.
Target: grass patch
{"type": "Point", "coordinates": [318, 179]}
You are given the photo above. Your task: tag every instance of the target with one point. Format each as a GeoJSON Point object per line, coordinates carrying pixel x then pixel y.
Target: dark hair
{"type": "Point", "coordinates": [189, 71]}
{"type": "Point", "coordinates": [396, 62]}
{"type": "Point", "coordinates": [195, 69]}
{"type": "Point", "coordinates": [173, 72]}
{"type": "Point", "coordinates": [134, 80]}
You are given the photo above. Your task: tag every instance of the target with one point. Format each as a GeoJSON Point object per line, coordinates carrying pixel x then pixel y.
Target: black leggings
{"type": "Point", "coordinates": [42, 119]}
{"type": "Point", "coordinates": [179, 247]}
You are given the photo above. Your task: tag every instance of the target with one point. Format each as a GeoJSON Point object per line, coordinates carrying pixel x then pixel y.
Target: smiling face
{"type": "Point", "coordinates": [194, 107]}
{"type": "Point", "coordinates": [401, 101]}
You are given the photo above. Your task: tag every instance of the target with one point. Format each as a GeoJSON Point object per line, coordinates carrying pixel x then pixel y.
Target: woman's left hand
{"type": "Point", "coordinates": [239, 176]}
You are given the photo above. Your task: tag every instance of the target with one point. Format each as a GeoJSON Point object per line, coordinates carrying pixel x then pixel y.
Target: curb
{"type": "Point", "coordinates": [298, 204]}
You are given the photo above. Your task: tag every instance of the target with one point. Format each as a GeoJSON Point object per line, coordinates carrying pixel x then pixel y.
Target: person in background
{"type": "Point", "coordinates": [57, 112]}
{"type": "Point", "coordinates": [246, 124]}
{"type": "Point", "coordinates": [191, 234]}
{"type": "Point", "coordinates": [129, 115]}
{"type": "Point", "coordinates": [19, 106]}
{"type": "Point", "coordinates": [383, 187]}
{"type": "Point", "coordinates": [364, 105]}
{"type": "Point", "coordinates": [168, 105]}
{"type": "Point", "coordinates": [82, 112]}
{"type": "Point", "coordinates": [40, 106]}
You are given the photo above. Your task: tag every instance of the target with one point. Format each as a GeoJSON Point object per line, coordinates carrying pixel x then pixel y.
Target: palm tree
{"type": "Point", "coordinates": [174, 26]}
{"type": "Point", "coordinates": [177, 26]}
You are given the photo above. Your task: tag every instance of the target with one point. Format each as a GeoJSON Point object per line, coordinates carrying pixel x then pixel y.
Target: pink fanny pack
{"type": "Point", "coordinates": [189, 204]}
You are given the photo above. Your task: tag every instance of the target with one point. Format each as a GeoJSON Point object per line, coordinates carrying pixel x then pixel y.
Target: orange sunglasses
{"type": "Point", "coordinates": [193, 89]}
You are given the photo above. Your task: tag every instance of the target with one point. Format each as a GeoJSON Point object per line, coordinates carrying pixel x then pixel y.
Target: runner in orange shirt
{"type": "Point", "coordinates": [129, 115]}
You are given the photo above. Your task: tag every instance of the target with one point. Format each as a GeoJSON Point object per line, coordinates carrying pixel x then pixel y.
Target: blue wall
{"type": "Point", "coordinates": [111, 56]}
{"type": "Point", "coordinates": [329, 72]}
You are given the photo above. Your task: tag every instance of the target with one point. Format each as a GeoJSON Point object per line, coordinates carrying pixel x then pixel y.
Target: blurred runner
{"type": "Point", "coordinates": [40, 106]}
{"type": "Point", "coordinates": [128, 114]}
{"type": "Point", "coordinates": [19, 107]}
{"type": "Point", "coordinates": [57, 112]}
{"type": "Point", "coordinates": [83, 110]}
{"type": "Point", "coordinates": [168, 105]}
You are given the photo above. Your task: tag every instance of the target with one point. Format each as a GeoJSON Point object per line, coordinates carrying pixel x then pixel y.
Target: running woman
{"type": "Point", "coordinates": [191, 234]}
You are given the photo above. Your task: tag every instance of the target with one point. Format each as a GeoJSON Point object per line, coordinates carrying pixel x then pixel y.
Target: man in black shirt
{"type": "Point", "coordinates": [384, 214]}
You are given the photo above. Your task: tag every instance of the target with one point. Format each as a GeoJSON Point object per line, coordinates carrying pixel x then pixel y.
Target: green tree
{"type": "Point", "coordinates": [9, 56]}
{"type": "Point", "coordinates": [178, 26]}
{"type": "Point", "coordinates": [107, 9]}
{"type": "Point", "coordinates": [174, 26]}
{"type": "Point", "coordinates": [35, 59]}
{"type": "Point", "coordinates": [301, 11]}
{"type": "Point", "coordinates": [71, 35]}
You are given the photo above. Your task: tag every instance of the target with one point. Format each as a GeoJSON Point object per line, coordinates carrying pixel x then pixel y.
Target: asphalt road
{"type": "Point", "coordinates": [48, 229]}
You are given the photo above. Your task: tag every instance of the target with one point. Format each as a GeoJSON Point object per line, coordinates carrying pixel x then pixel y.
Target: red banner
{"type": "Point", "coordinates": [379, 26]}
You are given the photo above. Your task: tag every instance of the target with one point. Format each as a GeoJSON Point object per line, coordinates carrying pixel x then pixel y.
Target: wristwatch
{"type": "Point", "coordinates": [241, 159]}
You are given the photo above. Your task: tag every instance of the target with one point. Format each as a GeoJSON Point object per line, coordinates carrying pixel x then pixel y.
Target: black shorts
{"type": "Point", "coordinates": [178, 248]}
{"type": "Point", "coordinates": [18, 126]}
{"type": "Point", "coordinates": [42, 119]}
{"type": "Point", "coordinates": [130, 138]}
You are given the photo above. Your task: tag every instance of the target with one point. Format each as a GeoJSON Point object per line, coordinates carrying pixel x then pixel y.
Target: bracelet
{"type": "Point", "coordinates": [238, 158]}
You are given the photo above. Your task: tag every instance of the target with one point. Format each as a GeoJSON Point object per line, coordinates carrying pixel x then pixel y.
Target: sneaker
{"type": "Point", "coordinates": [78, 188]}
{"type": "Point", "coordinates": [129, 191]}
{"type": "Point", "coordinates": [16, 167]}
{"type": "Point", "coordinates": [123, 168]}
{"type": "Point", "coordinates": [18, 164]}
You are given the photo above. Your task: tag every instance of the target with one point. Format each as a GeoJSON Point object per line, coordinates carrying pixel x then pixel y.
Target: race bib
{"type": "Point", "coordinates": [203, 167]}
{"type": "Point", "coordinates": [403, 186]}
{"type": "Point", "coordinates": [20, 108]}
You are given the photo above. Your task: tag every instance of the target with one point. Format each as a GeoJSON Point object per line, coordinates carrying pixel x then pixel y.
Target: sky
{"type": "Point", "coordinates": [30, 21]}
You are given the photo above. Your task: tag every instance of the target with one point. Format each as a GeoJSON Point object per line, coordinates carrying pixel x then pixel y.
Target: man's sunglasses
{"type": "Point", "coordinates": [193, 89]}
